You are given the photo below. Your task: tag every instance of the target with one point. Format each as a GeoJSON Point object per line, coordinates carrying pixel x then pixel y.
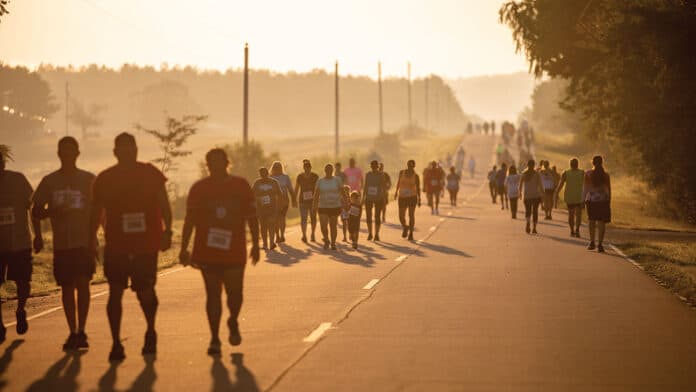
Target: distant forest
{"type": "Point", "coordinates": [112, 100]}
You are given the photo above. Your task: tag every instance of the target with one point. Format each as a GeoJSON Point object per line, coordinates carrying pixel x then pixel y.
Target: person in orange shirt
{"type": "Point", "coordinates": [218, 207]}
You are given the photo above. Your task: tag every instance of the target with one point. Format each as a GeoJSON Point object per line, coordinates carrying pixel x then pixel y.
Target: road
{"type": "Point", "coordinates": [474, 305]}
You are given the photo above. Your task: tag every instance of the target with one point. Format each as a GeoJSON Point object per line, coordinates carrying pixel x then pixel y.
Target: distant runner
{"type": "Point", "coordinates": [548, 183]}
{"type": "Point", "coordinates": [327, 200]}
{"type": "Point", "coordinates": [453, 185]}
{"type": "Point", "coordinates": [472, 167]}
{"type": "Point", "coordinates": [338, 172]}
{"type": "Point", "coordinates": [138, 225]}
{"type": "Point", "coordinates": [65, 196]}
{"type": "Point", "coordinates": [305, 184]}
{"type": "Point", "coordinates": [408, 194]}
{"type": "Point", "coordinates": [15, 240]}
{"type": "Point", "coordinates": [530, 187]}
{"type": "Point", "coordinates": [267, 194]}
{"type": "Point", "coordinates": [459, 161]}
{"type": "Point", "coordinates": [354, 213]}
{"type": "Point", "coordinates": [388, 185]}
{"type": "Point", "coordinates": [354, 176]}
{"type": "Point", "coordinates": [287, 195]}
{"type": "Point", "coordinates": [556, 181]}
{"type": "Point", "coordinates": [218, 208]}
{"type": "Point", "coordinates": [512, 185]}
{"type": "Point", "coordinates": [373, 199]}
{"type": "Point", "coordinates": [433, 178]}
{"type": "Point", "coordinates": [573, 179]}
{"type": "Point", "coordinates": [492, 184]}
{"type": "Point", "coordinates": [500, 183]}
{"type": "Point", "coordinates": [597, 194]}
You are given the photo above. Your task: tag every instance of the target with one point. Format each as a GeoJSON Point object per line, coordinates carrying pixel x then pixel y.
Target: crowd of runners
{"type": "Point", "coordinates": [130, 202]}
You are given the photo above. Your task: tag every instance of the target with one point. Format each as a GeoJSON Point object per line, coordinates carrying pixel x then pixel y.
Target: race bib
{"type": "Point", "coordinates": [596, 196]}
{"type": "Point", "coordinates": [134, 222]}
{"type": "Point", "coordinates": [219, 239]}
{"type": "Point", "coordinates": [453, 183]}
{"type": "Point", "coordinates": [265, 200]}
{"type": "Point", "coordinates": [355, 211]}
{"type": "Point", "coordinates": [69, 198]}
{"type": "Point", "coordinates": [547, 182]}
{"type": "Point", "coordinates": [309, 195]}
{"type": "Point", "coordinates": [434, 182]}
{"type": "Point", "coordinates": [7, 216]}
{"type": "Point", "coordinates": [405, 192]}
{"type": "Point", "coordinates": [372, 191]}
{"type": "Point", "coordinates": [344, 215]}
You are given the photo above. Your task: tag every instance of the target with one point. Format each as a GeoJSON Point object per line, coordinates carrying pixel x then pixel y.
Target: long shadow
{"type": "Point", "coordinates": [577, 242]}
{"type": "Point", "coordinates": [445, 249]}
{"type": "Point", "coordinates": [461, 218]}
{"type": "Point", "coordinates": [147, 377]}
{"type": "Point", "coordinates": [364, 257]}
{"type": "Point", "coordinates": [107, 382]}
{"type": "Point", "coordinates": [551, 223]}
{"type": "Point", "coordinates": [289, 255]}
{"type": "Point", "coordinates": [401, 249]}
{"type": "Point", "coordinates": [246, 382]}
{"type": "Point", "coordinates": [61, 376]}
{"type": "Point", "coordinates": [7, 358]}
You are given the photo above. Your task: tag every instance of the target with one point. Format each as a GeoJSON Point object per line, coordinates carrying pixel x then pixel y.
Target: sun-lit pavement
{"type": "Point", "coordinates": [475, 305]}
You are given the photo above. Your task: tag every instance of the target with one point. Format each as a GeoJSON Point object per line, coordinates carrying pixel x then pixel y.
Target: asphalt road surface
{"type": "Point", "coordinates": [474, 305]}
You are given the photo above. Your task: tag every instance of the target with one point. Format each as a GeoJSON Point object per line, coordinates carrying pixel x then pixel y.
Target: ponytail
{"type": "Point", "coordinates": [598, 175]}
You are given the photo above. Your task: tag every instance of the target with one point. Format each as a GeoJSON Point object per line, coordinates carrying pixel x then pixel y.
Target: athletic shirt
{"type": "Point", "coordinates": [285, 184]}
{"type": "Point", "coordinates": [15, 199]}
{"type": "Point", "coordinates": [500, 177]}
{"type": "Point", "coordinates": [532, 185]}
{"type": "Point", "coordinates": [307, 183]}
{"type": "Point", "coordinates": [512, 183]}
{"type": "Point", "coordinates": [330, 192]}
{"type": "Point", "coordinates": [593, 193]}
{"type": "Point", "coordinates": [354, 212]}
{"type": "Point", "coordinates": [407, 185]}
{"type": "Point", "coordinates": [353, 177]}
{"type": "Point", "coordinates": [432, 178]}
{"type": "Point", "coordinates": [267, 193]}
{"type": "Point", "coordinates": [573, 186]}
{"type": "Point", "coordinates": [547, 180]}
{"type": "Point", "coordinates": [452, 181]}
{"type": "Point", "coordinates": [374, 186]}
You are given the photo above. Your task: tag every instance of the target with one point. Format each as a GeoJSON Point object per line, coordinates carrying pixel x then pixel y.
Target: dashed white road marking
{"type": "Point", "coordinates": [317, 333]}
{"type": "Point", "coordinates": [433, 228]}
{"type": "Point", "coordinates": [371, 284]}
{"type": "Point", "coordinates": [622, 254]}
{"type": "Point", "coordinates": [400, 258]}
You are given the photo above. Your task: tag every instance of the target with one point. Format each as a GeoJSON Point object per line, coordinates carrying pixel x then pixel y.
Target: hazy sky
{"type": "Point", "coordinates": [447, 37]}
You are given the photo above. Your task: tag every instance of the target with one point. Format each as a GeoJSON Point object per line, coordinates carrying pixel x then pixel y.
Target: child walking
{"type": "Point", "coordinates": [345, 210]}
{"type": "Point", "coordinates": [354, 214]}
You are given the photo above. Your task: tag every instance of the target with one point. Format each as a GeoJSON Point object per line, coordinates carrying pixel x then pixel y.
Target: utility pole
{"type": "Point", "coordinates": [427, 85]}
{"type": "Point", "coordinates": [246, 95]}
{"type": "Point", "coordinates": [336, 150]}
{"type": "Point", "coordinates": [379, 84]}
{"type": "Point", "coordinates": [410, 115]}
{"type": "Point", "coordinates": [67, 109]}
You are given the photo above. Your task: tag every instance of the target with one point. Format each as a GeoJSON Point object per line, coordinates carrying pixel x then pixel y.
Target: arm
{"type": "Point", "coordinates": [292, 195]}
{"type": "Point", "coordinates": [296, 197]}
{"type": "Point", "coordinates": [253, 224]}
{"type": "Point", "coordinates": [166, 209]}
{"type": "Point", "coordinates": [398, 184]}
{"type": "Point", "coordinates": [609, 187]}
{"type": "Point", "coordinates": [187, 232]}
{"type": "Point", "coordinates": [418, 191]}
{"type": "Point", "coordinates": [560, 184]}
{"type": "Point", "coordinates": [315, 201]}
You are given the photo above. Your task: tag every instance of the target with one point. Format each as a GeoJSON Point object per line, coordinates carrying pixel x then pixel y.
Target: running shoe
{"type": "Point", "coordinates": [376, 237]}
{"type": "Point", "coordinates": [150, 345]}
{"type": "Point", "coordinates": [326, 244]}
{"type": "Point", "coordinates": [82, 342]}
{"type": "Point", "coordinates": [304, 239]}
{"type": "Point", "coordinates": [22, 324]}
{"type": "Point", "coordinates": [3, 333]}
{"type": "Point", "coordinates": [528, 229]}
{"type": "Point", "coordinates": [70, 343]}
{"type": "Point", "coordinates": [214, 348]}
{"type": "Point", "coordinates": [235, 336]}
{"type": "Point", "coordinates": [369, 237]}
{"type": "Point", "coordinates": [355, 245]}
{"type": "Point", "coordinates": [410, 235]}
{"type": "Point", "coordinates": [600, 248]}
{"type": "Point", "coordinates": [404, 233]}
{"type": "Point", "coordinates": [534, 231]}
{"type": "Point", "coordinates": [273, 245]}
{"type": "Point", "coordinates": [591, 246]}
{"type": "Point", "coordinates": [333, 246]}
{"type": "Point", "coordinates": [117, 353]}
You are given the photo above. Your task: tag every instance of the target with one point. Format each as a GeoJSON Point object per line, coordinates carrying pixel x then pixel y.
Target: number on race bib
{"type": "Point", "coordinates": [434, 182]}
{"type": "Point", "coordinates": [355, 211]}
{"type": "Point", "coordinates": [372, 191]}
{"type": "Point", "coordinates": [69, 198]}
{"type": "Point", "coordinates": [406, 193]}
{"type": "Point", "coordinates": [7, 216]}
{"type": "Point", "coordinates": [265, 200]}
{"type": "Point", "coordinates": [134, 222]}
{"type": "Point", "coordinates": [344, 215]}
{"type": "Point", "coordinates": [309, 195]}
{"type": "Point", "coordinates": [219, 239]}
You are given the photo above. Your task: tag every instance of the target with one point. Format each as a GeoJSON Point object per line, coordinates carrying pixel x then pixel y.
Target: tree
{"type": "Point", "coordinates": [245, 161]}
{"type": "Point", "coordinates": [3, 7]}
{"type": "Point", "coordinates": [6, 152]}
{"type": "Point", "coordinates": [86, 117]}
{"type": "Point", "coordinates": [26, 102]}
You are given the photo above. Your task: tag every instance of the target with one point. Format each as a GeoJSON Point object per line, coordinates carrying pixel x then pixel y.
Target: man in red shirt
{"type": "Point", "coordinates": [133, 197]}
{"type": "Point", "coordinates": [218, 207]}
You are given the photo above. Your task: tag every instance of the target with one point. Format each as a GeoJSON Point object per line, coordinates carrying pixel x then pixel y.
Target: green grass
{"type": "Point", "coordinates": [673, 263]}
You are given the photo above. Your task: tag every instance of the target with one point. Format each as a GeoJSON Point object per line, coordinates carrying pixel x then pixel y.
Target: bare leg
{"type": "Point", "coordinates": [83, 301]}
{"type": "Point", "coordinates": [602, 227]}
{"type": "Point", "coordinates": [23, 290]}
{"type": "Point", "coordinates": [213, 303]}
{"type": "Point", "coordinates": [333, 223]}
{"type": "Point", "coordinates": [592, 231]}
{"type": "Point", "coordinates": [114, 310]}
{"type": "Point", "coordinates": [148, 303]}
{"type": "Point", "coordinates": [68, 300]}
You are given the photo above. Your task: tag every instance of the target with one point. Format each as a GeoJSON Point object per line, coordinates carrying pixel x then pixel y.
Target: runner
{"type": "Point", "coordinates": [338, 172]}
{"type": "Point", "coordinates": [472, 167]}
{"type": "Point", "coordinates": [597, 194]}
{"type": "Point", "coordinates": [345, 210]}
{"type": "Point", "coordinates": [556, 181]}
{"type": "Point", "coordinates": [327, 201]}
{"type": "Point", "coordinates": [268, 194]}
{"type": "Point", "coordinates": [305, 184]}
{"type": "Point", "coordinates": [373, 197]}
{"type": "Point", "coordinates": [530, 187]}
{"type": "Point", "coordinates": [408, 194]}
{"type": "Point", "coordinates": [500, 183]}
{"type": "Point", "coordinates": [354, 212]}
{"type": "Point", "coordinates": [353, 176]}
{"type": "Point", "coordinates": [15, 240]}
{"type": "Point", "coordinates": [65, 196]}
{"type": "Point", "coordinates": [387, 185]}
{"type": "Point", "coordinates": [492, 184]}
{"type": "Point", "coordinates": [573, 179]}
{"type": "Point", "coordinates": [138, 225]}
{"type": "Point", "coordinates": [459, 164]}
{"type": "Point", "coordinates": [453, 185]}
{"type": "Point", "coordinates": [287, 193]}
{"type": "Point", "coordinates": [548, 182]}
{"type": "Point", "coordinates": [218, 207]}
{"type": "Point", "coordinates": [512, 185]}
{"type": "Point", "coordinates": [433, 177]}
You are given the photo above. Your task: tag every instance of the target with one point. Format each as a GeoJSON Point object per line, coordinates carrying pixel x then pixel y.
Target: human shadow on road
{"type": "Point", "coordinates": [246, 382]}
{"type": "Point", "coordinates": [107, 382]}
{"type": "Point", "coordinates": [7, 358]}
{"type": "Point", "coordinates": [289, 255]}
{"type": "Point", "coordinates": [404, 249]}
{"type": "Point", "coordinates": [61, 376]}
{"type": "Point", "coordinates": [461, 218]}
{"type": "Point", "coordinates": [364, 256]}
{"type": "Point", "coordinates": [445, 249]}
{"type": "Point", "coordinates": [552, 223]}
{"type": "Point", "coordinates": [147, 377]}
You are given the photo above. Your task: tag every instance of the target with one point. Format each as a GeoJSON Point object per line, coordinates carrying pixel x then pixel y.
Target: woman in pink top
{"type": "Point", "coordinates": [354, 176]}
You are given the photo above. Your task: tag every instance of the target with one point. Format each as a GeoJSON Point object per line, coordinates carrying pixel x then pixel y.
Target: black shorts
{"type": "Point", "coordinates": [330, 211]}
{"type": "Point", "coordinates": [599, 211]}
{"type": "Point", "coordinates": [16, 266]}
{"type": "Point", "coordinates": [353, 224]}
{"type": "Point", "coordinates": [69, 264]}
{"type": "Point", "coordinates": [407, 202]}
{"type": "Point", "coordinates": [141, 269]}
{"type": "Point", "coordinates": [574, 206]}
{"type": "Point", "coordinates": [376, 204]}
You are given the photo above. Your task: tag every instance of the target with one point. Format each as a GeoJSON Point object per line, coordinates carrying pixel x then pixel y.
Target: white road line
{"type": "Point", "coordinates": [401, 258]}
{"type": "Point", "coordinates": [449, 213]}
{"type": "Point", "coordinates": [317, 333]}
{"type": "Point", "coordinates": [433, 228]}
{"type": "Point", "coordinates": [622, 254]}
{"type": "Point", "coordinates": [442, 219]}
{"type": "Point", "coordinates": [371, 284]}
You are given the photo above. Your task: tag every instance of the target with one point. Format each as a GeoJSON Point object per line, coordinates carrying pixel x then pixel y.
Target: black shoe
{"type": "Point", "coordinates": [70, 343]}
{"type": "Point", "coordinates": [235, 336]}
{"type": "Point", "coordinates": [600, 248]}
{"type": "Point", "coordinates": [81, 342]}
{"type": "Point", "coordinates": [273, 246]}
{"type": "Point", "coordinates": [282, 239]}
{"type": "Point", "coordinates": [333, 246]}
{"type": "Point", "coordinates": [591, 246]}
{"type": "Point", "coordinates": [150, 345]}
{"type": "Point", "coordinates": [410, 235]}
{"type": "Point", "coordinates": [376, 237]}
{"type": "Point", "coordinates": [527, 228]}
{"type": "Point", "coordinates": [326, 244]}
{"type": "Point", "coordinates": [369, 237]}
{"type": "Point", "coordinates": [22, 324]}
{"type": "Point", "coordinates": [117, 353]}
{"type": "Point", "coordinates": [404, 233]}
{"type": "Point", "coordinates": [314, 239]}
{"type": "Point", "coordinates": [214, 348]}
{"type": "Point", "coordinates": [355, 245]}
{"type": "Point", "coordinates": [534, 231]}
{"type": "Point", "coordinates": [3, 333]}
{"type": "Point", "coordinates": [304, 239]}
